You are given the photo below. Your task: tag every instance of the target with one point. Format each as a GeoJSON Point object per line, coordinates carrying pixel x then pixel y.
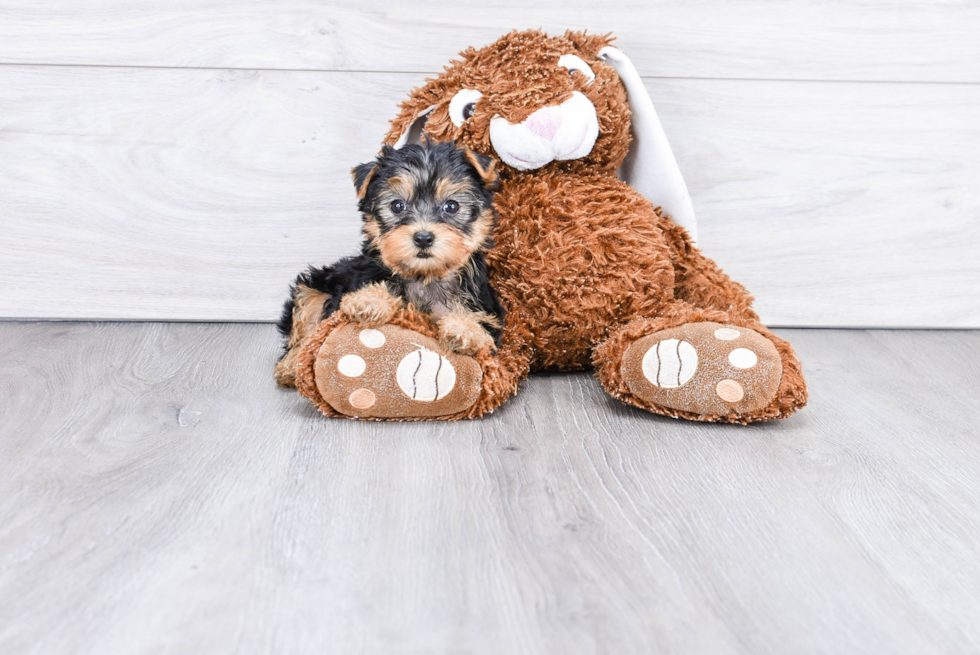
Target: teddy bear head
{"type": "Point", "coordinates": [571, 103]}
{"type": "Point", "coordinates": [529, 101]}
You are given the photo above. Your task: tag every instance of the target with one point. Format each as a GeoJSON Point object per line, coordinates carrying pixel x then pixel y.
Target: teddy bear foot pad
{"type": "Point", "coordinates": [391, 372]}
{"type": "Point", "coordinates": [704, 368]}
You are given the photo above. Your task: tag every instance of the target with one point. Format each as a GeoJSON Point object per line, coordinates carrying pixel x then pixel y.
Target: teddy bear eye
{"type": "Point", "coordinates": [462, 106]}
{"type": "Point", "coordinates": [573, 64]}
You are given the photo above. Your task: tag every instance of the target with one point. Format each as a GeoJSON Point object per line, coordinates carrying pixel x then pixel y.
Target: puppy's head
{"type": "Point", "coordinates": [426, 208]}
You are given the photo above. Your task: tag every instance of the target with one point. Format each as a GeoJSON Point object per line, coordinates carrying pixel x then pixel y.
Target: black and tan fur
{"type": "Point", "coordinates": [427, 222]}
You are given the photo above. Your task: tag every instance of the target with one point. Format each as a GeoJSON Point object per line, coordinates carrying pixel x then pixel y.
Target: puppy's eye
{"type": "Point", "coordinates": [397, 207]}
{"type": "Point", "coordinates": [462, 106]}
{"type": "Point", "coordinates": [450, 207]}
{"type": "Point", "coordinates": [576, 64]}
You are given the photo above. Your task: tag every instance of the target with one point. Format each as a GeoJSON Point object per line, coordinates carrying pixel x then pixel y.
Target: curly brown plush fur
{"type": "Point", "coordinates": [583, 263]}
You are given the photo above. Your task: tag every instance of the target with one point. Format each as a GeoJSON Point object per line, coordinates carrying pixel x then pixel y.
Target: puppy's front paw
{"type": "Point", "coordinates": [373, 305]}
{"type": "Point", "coordinates": [464, 334]}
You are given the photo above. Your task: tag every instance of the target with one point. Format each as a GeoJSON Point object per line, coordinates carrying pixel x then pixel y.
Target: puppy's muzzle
{"type": "Point", "coordinates": [423, 240]}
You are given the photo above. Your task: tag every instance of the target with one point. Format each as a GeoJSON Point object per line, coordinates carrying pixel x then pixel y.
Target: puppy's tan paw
{"type": "Point", "coordinates": [372, 305]}
{"type": "Point", "coordinates": [464, 334]}
{"type": "Point", "coordinates": [307, 310]}
{"type": "Point", "coordinates": [285, 374]}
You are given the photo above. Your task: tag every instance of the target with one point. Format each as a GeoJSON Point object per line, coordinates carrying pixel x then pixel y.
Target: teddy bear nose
{"type": "Point", "coordinates": [545, 122]}
{"type": "Point", "coordinates": [423, 239]}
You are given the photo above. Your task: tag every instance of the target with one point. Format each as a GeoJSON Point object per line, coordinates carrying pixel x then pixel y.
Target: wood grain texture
{"type": "Point", "coordinates": [837, 205]}
{"type": "Point", "coordinates": [198, 194]}
{"type": "Point", "coordinates": [906, 40]}
{"type": "Point", "coordinates": [159, 494]}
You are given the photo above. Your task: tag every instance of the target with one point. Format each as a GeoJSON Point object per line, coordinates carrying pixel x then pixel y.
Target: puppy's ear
{"type": "Point", "coordinates": [485, 167]}
{"type": "Point", "coordinates": [363, 175]}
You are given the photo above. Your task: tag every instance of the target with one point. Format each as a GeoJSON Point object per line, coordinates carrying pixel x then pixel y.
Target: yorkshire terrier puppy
{"type": "Point", "coordinates": [427, 220]}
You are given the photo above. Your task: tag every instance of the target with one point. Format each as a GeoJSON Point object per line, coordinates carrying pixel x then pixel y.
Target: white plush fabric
{"type": "Point", "coordinates": [462, 98]}
{"type": "Point", "coordinates": [576, 63]}
{"type": "Point", "coordinates": [650, 167]}
{"type": "Point", "coordinates": [414, 132]}
{"type": "Point", "coordinates": [557, 132]}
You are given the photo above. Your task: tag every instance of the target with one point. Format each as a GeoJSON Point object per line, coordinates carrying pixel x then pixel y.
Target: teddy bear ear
{"type": "Point", "coordinates": [363, 174]}
{"type": "Point", "coordinates": [650, 167]}
{"type": "Point", "coordinates": [407, 127]}
{"type": "Point", "coordinates": [485, 167]}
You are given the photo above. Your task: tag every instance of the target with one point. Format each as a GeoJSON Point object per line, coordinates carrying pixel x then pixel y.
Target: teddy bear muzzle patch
{"type": "Point", "coordinates": [552, 133]}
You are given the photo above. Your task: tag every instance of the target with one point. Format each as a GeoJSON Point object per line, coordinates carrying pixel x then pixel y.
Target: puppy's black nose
{"type": "Point", "coordinates": [423, 239]}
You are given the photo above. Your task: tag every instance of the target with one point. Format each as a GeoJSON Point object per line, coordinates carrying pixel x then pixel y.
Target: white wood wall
{"type": "Point", "coordinates": [183, 160]}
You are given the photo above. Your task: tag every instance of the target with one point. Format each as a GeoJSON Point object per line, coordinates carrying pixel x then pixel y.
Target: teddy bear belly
{"type": "Point", "coordinates": [578, 255]}
{"type": "Point", "coordinates": [572, 313]}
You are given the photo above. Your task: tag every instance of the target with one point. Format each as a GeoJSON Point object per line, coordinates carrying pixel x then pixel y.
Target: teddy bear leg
{"type": "Point", "coordinates": [702, 364]}
{"type": "Point", "coordinates": [402, 371]}
{"type": "Point", "coordinates": [698, 280]}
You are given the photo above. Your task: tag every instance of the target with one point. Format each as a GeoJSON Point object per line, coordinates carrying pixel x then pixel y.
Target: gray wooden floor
{"type": "Point", "coordinates": [158, 494]}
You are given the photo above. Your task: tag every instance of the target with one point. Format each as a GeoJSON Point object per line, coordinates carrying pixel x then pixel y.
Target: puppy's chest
{"type": "Point", "coordinates": [435, 298]}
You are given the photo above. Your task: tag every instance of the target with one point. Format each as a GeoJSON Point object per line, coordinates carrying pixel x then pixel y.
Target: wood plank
{"type": "Point", "coordinates": [838, 205]}
{"type": "Point", "coordinates": [159, 493]}
{"type": "Point", "coordinates": [907, 40]}
{"type": "Point", "coordinates": [168, 194]}
{"type": "Point", "coordinates": [198, 195]}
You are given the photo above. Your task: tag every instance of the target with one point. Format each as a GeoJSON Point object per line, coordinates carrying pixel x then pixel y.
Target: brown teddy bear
{"type": "Point", "coordinates": [589, 268]}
